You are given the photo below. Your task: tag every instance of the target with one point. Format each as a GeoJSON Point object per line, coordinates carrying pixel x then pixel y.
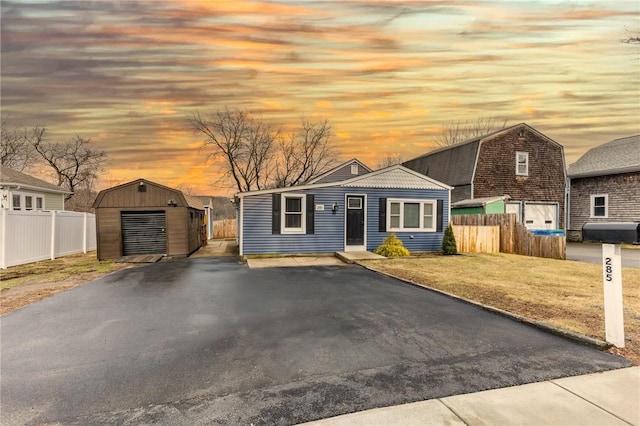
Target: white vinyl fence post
{"type": "Point", "coordinates": [84, 233]}
{"type": "Point", "coordinates": [3, 249]}
{"type": "Point", "coordinates": [53, 235]}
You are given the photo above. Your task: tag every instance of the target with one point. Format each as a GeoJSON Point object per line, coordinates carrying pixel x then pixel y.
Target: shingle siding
{"type": "Point", "coordinates": [329, 226]}
{"type": "Point", "coordinates": [496, 169]}
{"type": "Point", "coordinates": [623, 193]}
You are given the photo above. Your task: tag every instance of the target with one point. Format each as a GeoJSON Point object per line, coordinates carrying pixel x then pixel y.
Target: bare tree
{"type": "Point", "coordinates": [460, 131]}
{"type": "Point", "coordinates": [631, 38]}
{"type": "Point", "coordinates": [304, 154]}
{"type": "Point", "coordinates": [75, 164]}
{"type": "Point", "coordinates": [244, 142]}
{"type": "Point", "coordinates": [16, 145]}
{"type": "Point", "coordinates": [256, 156]}
{"type": "Point", "coordinates": [390, 160]}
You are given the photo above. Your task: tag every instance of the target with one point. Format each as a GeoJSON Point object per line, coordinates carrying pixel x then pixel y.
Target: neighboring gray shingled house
{"type": "Point", "coordinates": [20, 191]}
{"type": "Point", "coordinates": [605, 185]}
{"type": "Point", "coordinates": [517, 161]}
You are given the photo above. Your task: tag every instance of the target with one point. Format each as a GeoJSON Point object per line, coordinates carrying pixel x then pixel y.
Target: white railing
{"type": "Point", "coordinates": [30, 236]}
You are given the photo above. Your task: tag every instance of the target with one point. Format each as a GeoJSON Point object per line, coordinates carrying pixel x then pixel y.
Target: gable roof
{"type": "Point", "coordinates": [338, 167]}
{"type": "Point", "coordinates": [189, 200]}
{"type": "Point", "coordinates": [617, 156]}
{"type": "Point", "coordinates": [391, 177]}
{"type": "Point", "coordinates": [10, 177]}
{"type": "Point", "coordinates": [455, 164]}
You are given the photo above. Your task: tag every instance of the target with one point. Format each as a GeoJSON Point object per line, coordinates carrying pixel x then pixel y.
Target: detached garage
{"type": "Point", "coordinates": [143, 217]}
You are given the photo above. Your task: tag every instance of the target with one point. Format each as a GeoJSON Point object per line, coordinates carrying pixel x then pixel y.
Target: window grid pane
{"type": "Point", "coordinates": [39, 202]}
{"type": "Point", "coordinates": [395, 222]}
{"type": "Point", "coordinates": [28, 202]}
{"type": "Point", "coordinates": [16, 202]}
{"type": "Point", "coordinates": [293, 220]}
{"type": "Point", "coordinates": [293, 205]}
{"type": "Point", "coordinates": [411, 215]}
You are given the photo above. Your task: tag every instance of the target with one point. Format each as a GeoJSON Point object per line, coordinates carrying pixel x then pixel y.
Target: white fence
{"type": "Point", "coordinates": [30, 236]}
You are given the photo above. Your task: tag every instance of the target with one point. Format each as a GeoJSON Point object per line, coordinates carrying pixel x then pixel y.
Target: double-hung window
{"type": "Point", "coordinates": [411, 215]}
{"type": "Point", "coordinates": [522, 163]}
{"type": "Point", "coordinates": [293, 217]}
{"type": "Point", "coordinates": [28, 202]}
{"type": "Point", "coordinates": [39, 203]}
{"type": "Point", "coordinates": [16, 202]}
{"type": "Point", "coordinates": [599, 205]}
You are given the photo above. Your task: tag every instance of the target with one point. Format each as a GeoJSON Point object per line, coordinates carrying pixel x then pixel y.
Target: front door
{"type": "Point", "coordinates": [355, 222]}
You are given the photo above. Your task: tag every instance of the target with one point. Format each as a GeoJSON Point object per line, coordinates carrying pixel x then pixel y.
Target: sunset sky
{"type": "Point", "coordinates": [386, 74]}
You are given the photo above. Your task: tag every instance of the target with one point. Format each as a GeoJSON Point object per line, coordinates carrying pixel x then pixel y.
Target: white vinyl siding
{"type": "Point", "coordinates": [411, 215]}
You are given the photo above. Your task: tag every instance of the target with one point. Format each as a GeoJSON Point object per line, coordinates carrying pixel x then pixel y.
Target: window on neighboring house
{"type": "Point", "coordinates": [354, 169]}
{"type": "Point", "coordinates": [39, 203]}
{"type": "Point", "coordinates": [411, 215]}
{"type": "Point", "coordinates": [599, 205]}
{"type": "Point", "coordinates": [28, 202]}
{"type": "Point", "coordinates": [16, 202]}
{"type": "Point", "coordinates": [522, 163]}
{"type": "Point", "coordinates": [293, 214]}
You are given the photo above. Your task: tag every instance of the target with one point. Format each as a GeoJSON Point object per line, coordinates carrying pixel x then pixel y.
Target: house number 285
{"type": "Point", "coordinates": [608, 269]}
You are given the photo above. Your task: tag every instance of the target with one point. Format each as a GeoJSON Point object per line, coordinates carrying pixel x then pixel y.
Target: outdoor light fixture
{"type": "Point", "coordinates": [334, 207]}
{"type": "Point", "coordinates": [172, 203]}
{"type": "Point", "coordinates": [142, 187]}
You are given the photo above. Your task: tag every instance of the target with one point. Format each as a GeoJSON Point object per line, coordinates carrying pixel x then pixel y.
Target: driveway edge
{"type": "Point", "coordinates": [581, 338]}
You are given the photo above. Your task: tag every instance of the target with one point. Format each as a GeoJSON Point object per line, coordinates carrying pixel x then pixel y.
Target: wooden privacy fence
{"type": "Point", "coordinates": [224, 228]}
{"type": "Point", "coordinates": [515, 237]}
{"type": "Point", "coordinates": [477, 239]}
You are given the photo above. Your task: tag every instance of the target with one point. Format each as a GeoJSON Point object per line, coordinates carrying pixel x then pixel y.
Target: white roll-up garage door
{"type": "Point", "coordinates": [541, 216]}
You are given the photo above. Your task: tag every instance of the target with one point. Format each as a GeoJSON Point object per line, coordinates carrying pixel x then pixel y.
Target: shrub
{"type": "Point", "coordinates": [392, 247]}
{"type": "Point", "coordinates": [449, 242]}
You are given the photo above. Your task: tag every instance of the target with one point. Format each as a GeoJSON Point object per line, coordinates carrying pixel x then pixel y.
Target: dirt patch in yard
{"type": "Point", "coordinates": [25, 284]}
{"type": "Point", "coordinates": [565, 294]}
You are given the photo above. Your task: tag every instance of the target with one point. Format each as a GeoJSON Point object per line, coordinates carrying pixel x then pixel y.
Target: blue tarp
{"type": "Point", "coordinates": [548, 232]}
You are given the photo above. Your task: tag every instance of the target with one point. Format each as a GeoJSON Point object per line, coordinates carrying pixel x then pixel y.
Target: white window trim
{"type": "Point", "coordinates": [23, 201]}
{"type": "Point", "coordinates": [283, 213]}
{"type": "Point", "coordinates": [592, 200]}
{"type": "Point", "coordinates": [402, 201]}
{"type": "Point", "coordinates": [354, 169]}
{"type": "Point", "coordinates": [526, 156]}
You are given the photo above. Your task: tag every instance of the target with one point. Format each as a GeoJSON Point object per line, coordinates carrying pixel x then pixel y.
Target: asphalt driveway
{"type": "Point", "coordinates": [592, 253]}
{"type": "Point", "coordinates": [210, 341]}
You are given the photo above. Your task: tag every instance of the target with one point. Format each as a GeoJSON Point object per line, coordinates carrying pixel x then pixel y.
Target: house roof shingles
{"type": "Point", "coordinates": [13, 177]}
{"type": "Point", "coordinates": [617, 156]}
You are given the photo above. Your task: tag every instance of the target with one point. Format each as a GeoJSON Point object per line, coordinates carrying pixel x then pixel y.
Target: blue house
{"type": "Point", "coordinates": [354, 214]}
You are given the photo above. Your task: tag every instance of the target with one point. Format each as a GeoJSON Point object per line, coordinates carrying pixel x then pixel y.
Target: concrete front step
{"type": "Point", "coordinates": [353, 256]}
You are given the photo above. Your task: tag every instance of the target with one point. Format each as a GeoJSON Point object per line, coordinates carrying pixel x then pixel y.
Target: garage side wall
{"type": "Point", "coordinates": [109, 233]}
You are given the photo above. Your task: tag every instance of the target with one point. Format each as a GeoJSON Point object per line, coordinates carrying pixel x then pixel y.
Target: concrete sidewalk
{"type": "Point", "coordinates": [608, 398]}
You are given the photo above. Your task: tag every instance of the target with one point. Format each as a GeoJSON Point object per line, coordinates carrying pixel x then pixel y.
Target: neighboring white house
{"type": "Point", "coordinates": [19, 191]}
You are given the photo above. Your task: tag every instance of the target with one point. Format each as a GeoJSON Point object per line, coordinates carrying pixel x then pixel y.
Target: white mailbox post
{"type": "Point", "coordinates": [612, 235]}
{"type": "Point", "coordinates": [613, 307]}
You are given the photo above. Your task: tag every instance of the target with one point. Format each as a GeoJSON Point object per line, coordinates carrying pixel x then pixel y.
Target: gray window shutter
{"type": "Point", "coordinates": [275, 213]}
{"type": "Point", "coordinates": [382, 215]}
{"type": "Point", "coordinates": [440, 218]}
{"type": "Point", "coordinates": [311, 211]}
